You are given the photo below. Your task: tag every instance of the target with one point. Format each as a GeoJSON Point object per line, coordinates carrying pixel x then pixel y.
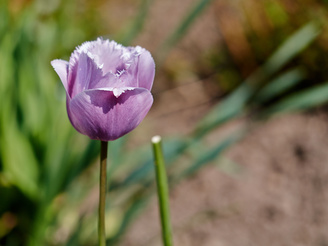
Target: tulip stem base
{"type": "Point", "coordinates": [102, 193]}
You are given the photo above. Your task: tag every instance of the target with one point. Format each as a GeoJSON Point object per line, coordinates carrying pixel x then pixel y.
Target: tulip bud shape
{"type": "Point", "coordinates": [107, 88]}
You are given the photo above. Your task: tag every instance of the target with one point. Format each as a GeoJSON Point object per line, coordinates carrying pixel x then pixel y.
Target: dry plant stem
{"type": "Point", "coordinates": [162, 192]}
{"type": "Point", "coordinates": [102, 194]}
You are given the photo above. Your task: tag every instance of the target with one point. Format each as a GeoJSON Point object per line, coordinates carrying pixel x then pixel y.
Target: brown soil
{"type": "Point", "coordinates": [278, 196]}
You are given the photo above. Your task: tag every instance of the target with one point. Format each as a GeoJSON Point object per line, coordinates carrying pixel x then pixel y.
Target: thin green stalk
{"type": "Point", "coordinates": [162, 191]}
{"type": "Point", "coordinates": [102, 194]}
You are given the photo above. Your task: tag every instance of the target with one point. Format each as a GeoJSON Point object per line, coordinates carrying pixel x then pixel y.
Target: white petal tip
{"type": "Point", "coordinates": [117, 92]}
{"type": "Point", "coordinates": [156, 139]}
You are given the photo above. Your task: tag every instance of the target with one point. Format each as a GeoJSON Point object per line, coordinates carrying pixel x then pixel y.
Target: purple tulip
{"type": "Point", "coordinates": [107, 88]}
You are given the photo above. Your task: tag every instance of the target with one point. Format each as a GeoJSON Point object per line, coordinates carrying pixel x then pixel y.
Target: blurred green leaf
{"type": "Point", "coordinates": [225, 110]}
{"type": "Point", "coordinates": [277, 13]}
{"type": "Point", "coordinates": [235, 103]}
{"type": "Point", "coordinates": [210, 156]}
{"type": "Point", "coordinates": [301, 100]}
{"type": "Point", "coordinates": [280, 85]}
{"type": "Point", "coordinates": [19, 163]}
{"type": "Point", "coordinates": [295, 44]}
{"type": "Point", "coordinates": [142, 173]}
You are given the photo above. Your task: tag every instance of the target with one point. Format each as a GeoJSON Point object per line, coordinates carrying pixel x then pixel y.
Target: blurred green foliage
{"type": "Point", "coordinates": [44, 163]}
{"type": "Point", "coordinates": [39, 159]}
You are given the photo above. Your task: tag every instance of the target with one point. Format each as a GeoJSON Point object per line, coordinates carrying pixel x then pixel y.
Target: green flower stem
{"type": "Point", "coordinates": [102, 193]}
{"type": "Point", "coordinates": [162, 191]}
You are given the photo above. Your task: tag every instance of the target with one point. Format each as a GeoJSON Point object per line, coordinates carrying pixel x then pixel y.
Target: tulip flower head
{"type": "Point", "coordinates": [107, 88]}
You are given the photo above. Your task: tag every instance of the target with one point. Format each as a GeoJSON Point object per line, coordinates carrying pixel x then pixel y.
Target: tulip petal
{"type": "Point", "coordinates": [100, 114]}
{"type": "Point", "coordinates": [109, 80]}
{"type": "Point", "coordinates": [146, 70]}
{"type": "Point", "coordinates": [109, 55]}
{"type": "Point", "coordinates": [61, 68]}
{"type": "Point", "coordinates": [83, 75]}
{"type": "Point", "coordinates": [141, 69]}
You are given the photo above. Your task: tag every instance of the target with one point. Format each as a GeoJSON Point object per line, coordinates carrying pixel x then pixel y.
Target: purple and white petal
{"type": "Point", "coordinates": [84, 75]}
{"type": "Point", "coordinates": [146, 70]}
{"type": "Point", "coordinates": [107, 81]}
{"type": "Point", "coordinates": [108, 87]}
{"type": "Point", "coordinates": [61, 68]}
{"type": "Point", "coordinates": [109, 55]}
{"type": "Point", "coordinates": [101, 115]}
{"type": "Point", "coordinates": [141, 69]}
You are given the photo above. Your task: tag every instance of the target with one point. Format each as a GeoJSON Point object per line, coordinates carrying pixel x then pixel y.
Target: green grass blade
{"type": "Point", "coordinates": [280, 85]}
{"type": "Point", "coordinates": [302, 100]}
{"type": "Point", "coordinates": [210, 155]}
{"type": "Point", "coordinates": [230, 107]}
{"type": "Point", "coordinates": [291, 47]}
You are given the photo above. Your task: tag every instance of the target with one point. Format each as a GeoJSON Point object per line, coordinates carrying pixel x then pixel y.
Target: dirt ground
{"type": "Point", "coordinates": [278, 197]}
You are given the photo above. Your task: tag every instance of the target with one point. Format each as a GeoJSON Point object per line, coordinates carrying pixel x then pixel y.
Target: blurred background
{"type": "Point", "coordinates": [240, 98]}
